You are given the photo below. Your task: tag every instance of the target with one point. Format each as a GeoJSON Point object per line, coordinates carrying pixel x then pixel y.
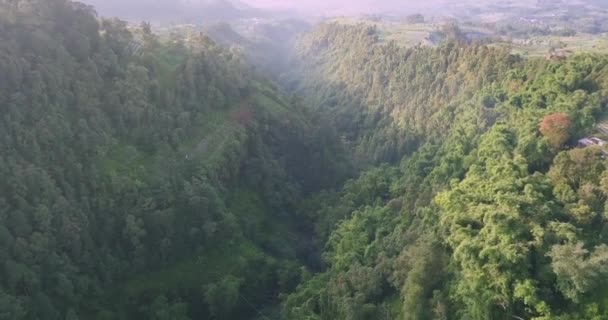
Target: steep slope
{"type": "Point", "coordinates": [150, 180]}
{"type": "Point", "coordinates": [142, 180]}
{"type": "Point", "coordinates": [494, 216]}
{"type": "Point", "coordinates": [385, 99]}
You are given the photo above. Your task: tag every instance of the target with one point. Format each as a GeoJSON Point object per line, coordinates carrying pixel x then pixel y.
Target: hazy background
{"type": "Point", "coordinates": [223, 9]}
{"type": "Point", "coordinates": [197, 11]}
{"type": "Point", "coordinates": [340, 6]}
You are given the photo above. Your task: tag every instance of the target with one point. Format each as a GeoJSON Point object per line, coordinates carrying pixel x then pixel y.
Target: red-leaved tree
{"type": "Point", "coordinates": [556, 128]}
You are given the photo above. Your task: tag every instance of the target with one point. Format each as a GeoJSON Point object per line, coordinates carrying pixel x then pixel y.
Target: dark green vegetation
{"type": "Point", "coordinates": [141, 180]}
{"type": "Point", "coordinates": [166, 179]}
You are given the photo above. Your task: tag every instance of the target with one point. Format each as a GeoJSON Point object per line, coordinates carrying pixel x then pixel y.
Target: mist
{"type": "Point", "coordinates": [311, 6]}
{"type": "Point", "coordinates": [345, 7]}
{"type": "Point", "coordinates": [338, 7]}
{"type": "Point", "coordinates": [227, 9]}
{"type": "Point", "coordinates": [213, 10]}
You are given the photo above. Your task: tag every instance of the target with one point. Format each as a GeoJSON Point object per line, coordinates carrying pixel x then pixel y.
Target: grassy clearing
{"type": "Point", "coordinates": [407, 34]}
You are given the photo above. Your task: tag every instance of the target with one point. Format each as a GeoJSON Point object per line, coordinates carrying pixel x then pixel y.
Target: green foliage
{"type": "Point", "coordinates": [161, 309]}
{"type": "Point", "coordinates": [386, 100]}
{"type": "Point", "coordinates": [223, 296]}
{"type": "Point", "coordinates": [577, 270]}
{"type": "Point", "coordinates": [120, 155]}
{"type": "Point", "coordinates": [141, 179]}
{"type": "Point", "coordinates": [485, 218]}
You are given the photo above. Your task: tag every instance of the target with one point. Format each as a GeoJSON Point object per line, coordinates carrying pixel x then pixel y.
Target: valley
{"type": "Point", "coordinates": [223, 161]}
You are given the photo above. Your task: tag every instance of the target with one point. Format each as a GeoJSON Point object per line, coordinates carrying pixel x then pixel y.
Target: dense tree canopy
{"type": "Point", "coordinates": [488, 218]}
{"type": "Point", "coordinates": [152, 178]}
{"type": "Point", "coordinates": [137, 176]}
{"type": "Point", "coordinates": [556, 128]}
{"type": "Point", "coordinates": [385, 99]}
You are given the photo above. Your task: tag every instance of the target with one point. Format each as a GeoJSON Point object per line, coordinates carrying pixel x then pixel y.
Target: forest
{"type": "Point", "coordinates": [170, 178]}
{"type": "Point", "coordinates": [489, 212]}
{"type": "Point", "coordinates": [140, 177]}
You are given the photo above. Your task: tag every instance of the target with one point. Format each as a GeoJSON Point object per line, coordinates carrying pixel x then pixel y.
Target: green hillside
{"type": "Point", "coordinates": [168, 178]}
{"type": "Point", "coordinates": [139, 176]}
{"type": "Point", "coordinates": [490, 213]}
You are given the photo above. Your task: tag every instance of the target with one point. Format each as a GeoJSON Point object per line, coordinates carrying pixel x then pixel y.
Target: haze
{"type": "Point", "coordinates": [220, 9]}
{"type": "Point", "coordinates": [338, 6]}
{"type": "Point", "coordinates": [200, 11]}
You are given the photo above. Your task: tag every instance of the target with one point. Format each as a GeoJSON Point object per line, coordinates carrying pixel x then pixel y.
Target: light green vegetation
{"type": "Point", "coordinates": [493, 215]}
